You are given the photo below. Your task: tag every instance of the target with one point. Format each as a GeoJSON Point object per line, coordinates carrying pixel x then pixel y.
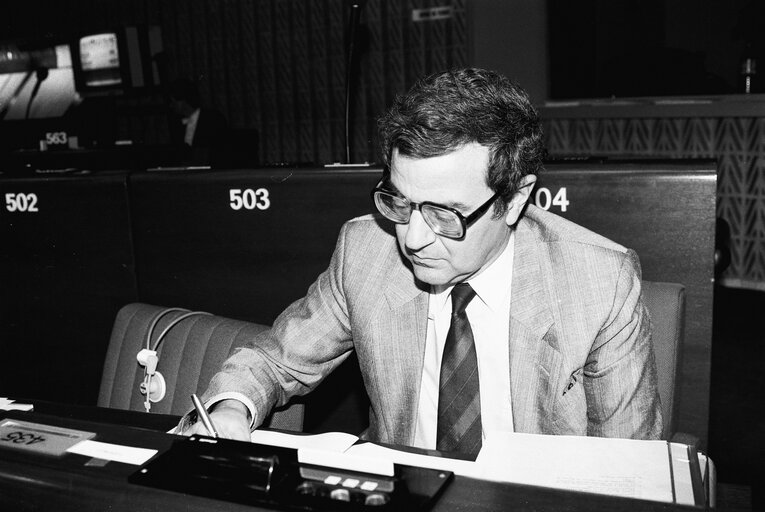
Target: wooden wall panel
{"type": "Point", "coordinates": [737, 143]}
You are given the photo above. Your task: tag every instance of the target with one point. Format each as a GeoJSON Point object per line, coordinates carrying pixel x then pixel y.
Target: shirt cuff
{"type": "Point", "coordinates": [239, 397]}
{"type": "Point", "coordinates": [190, 417]}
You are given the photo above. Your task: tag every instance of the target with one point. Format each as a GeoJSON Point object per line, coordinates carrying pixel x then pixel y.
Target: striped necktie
{"type": "Point", "coordinates": [459, 398]}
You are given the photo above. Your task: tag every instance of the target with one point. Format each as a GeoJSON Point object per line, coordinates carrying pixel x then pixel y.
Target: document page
{"type": "Point", "coordinates": [329, 441]}
{"type": "Point", "coordinates": [682, 473]}
{"type": "Point", "coordinates": [619, 467]}
{"type": "Point", "coordinates": [373, 451]}
{"type": "Point", "coordinates": [7, 404]}
{"type": "Point", "coordinates": [115, 452]}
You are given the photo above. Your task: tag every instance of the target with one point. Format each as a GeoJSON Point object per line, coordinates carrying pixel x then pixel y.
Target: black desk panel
{"type": "Point", "coordinates": [246, 244]}
{"type": "Point", "coordinates": [26, 163]}
{"type": "Point", "coordinates": [66, 267]}
{"type": "Point", "coordinates": [243, 244]}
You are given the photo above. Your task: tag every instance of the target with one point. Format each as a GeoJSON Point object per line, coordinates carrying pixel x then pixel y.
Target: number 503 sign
{"type": "Point", "coordinates": [249, 199]}
{"type": "Point", "coordinates": [546, 200]}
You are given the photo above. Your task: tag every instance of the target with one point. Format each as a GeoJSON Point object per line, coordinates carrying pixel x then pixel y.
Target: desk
{"type": "Point", "coordinates": [39, 482]}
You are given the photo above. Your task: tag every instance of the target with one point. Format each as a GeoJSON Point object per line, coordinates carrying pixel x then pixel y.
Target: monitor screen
{"type": "Point", "coordinates": [100, 60]}
{"type": "Point", "coordinates": [117, 61]}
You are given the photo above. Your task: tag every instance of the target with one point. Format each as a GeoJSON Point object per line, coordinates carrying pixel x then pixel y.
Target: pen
{"type": "Point", "coordinates": [203, 415]}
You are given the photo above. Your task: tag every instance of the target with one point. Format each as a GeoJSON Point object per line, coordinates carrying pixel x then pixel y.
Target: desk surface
{"type": "Point", "coordinates": [40, 482]}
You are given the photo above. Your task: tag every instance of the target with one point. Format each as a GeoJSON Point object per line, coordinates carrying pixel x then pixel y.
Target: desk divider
{"type": "Point", "coordinates": [246, 243]}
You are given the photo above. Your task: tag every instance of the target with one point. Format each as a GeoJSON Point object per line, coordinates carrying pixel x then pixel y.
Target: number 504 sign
{"type": "Point", "coordinates": [547, 200]}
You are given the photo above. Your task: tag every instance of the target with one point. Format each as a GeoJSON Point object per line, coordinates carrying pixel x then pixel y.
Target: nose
{"type": "Point", "coordinates": [418, 233]}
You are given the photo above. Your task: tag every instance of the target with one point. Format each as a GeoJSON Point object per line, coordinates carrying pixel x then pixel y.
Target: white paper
{"type": "Point", "coordinates": [457, 466]}
{"type": "Point", "coordinates": [681, 470]}
{"type": "Point", "coordinates": [11, 405]}
{"type": "Point", "coordinates": [618, 467]}
{"type": "Point", "coordinates": [349, 461]}
{"type": "Point", "coordinates": [330, 441]}
{"type": "Point", "coordinates": [115, 452]}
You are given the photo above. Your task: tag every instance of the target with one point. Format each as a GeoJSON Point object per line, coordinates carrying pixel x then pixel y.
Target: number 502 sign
{"type": "Point", "coordinates": [21, 202]}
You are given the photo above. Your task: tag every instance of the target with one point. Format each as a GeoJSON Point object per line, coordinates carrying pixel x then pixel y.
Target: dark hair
{"type": "Point", "coordinates": [186, 90]}
{"type": "Point", "coordinates": [447, 110]}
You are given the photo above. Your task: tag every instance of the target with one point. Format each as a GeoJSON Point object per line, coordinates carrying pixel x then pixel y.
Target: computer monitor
{"type": "Point", "coordinates": [116, 61]}
{"type": "Point", "coordinates": [100, 64]}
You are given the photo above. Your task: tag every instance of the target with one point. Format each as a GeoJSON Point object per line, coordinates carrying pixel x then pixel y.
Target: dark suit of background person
{"type": "Point", "coordinates": [204, 131]}
{"type": "Point", "coordinates": [580, 355]}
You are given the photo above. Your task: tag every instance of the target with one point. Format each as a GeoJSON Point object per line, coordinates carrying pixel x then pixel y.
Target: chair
{"type": "Point", "coordinates": [666, 305]}
{"type": "Point", "coordinates": [190, 353]}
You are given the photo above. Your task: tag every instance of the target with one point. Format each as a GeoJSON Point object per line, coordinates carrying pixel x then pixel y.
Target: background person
{"type": "Point", "coordinates": [204, 130]}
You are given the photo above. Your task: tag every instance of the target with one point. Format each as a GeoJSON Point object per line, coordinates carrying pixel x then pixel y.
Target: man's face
{"type": "Point", "coordinates": [180, 107]}
{"type": "Point", "coordinates": [457, 180]}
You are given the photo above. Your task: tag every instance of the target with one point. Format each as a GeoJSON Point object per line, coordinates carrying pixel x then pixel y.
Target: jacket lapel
{"type": "Point", "coordinates": [531, 352]}
{"type": "Point", "coordinates": [403, 326]}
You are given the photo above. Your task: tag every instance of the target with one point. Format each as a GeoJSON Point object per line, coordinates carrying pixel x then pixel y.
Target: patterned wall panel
{"type": "Point", "coordinates": [738, 145]}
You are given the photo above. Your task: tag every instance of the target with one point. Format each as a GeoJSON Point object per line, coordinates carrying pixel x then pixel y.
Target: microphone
{"type": "Point", "coordinates": [353, 24]}
{"type": "Point", "coordinates": [15, 96]}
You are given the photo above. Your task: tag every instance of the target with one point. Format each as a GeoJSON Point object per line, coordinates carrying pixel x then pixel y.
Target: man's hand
{"type": "Point", "coordinates": [231, 420]}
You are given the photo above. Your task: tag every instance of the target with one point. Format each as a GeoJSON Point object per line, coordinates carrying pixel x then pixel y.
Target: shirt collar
{"type": "Point", "coordinates": [492, 285]}
{"type": "Point", "coordinates": [192, 118]}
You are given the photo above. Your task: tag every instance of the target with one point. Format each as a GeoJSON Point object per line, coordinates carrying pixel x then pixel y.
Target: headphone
{"type": "Point", "coordinates": [153, 385]}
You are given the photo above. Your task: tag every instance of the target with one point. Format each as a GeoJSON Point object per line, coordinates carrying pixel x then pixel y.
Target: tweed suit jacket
{"type": "Point", "coordinates": [581, 357]}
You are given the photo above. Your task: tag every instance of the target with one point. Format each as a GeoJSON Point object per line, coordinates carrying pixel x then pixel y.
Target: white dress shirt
{"type": "Point", "coordinates": [489, 316]}
{"type": "Point", "coordinates": [191, 127]}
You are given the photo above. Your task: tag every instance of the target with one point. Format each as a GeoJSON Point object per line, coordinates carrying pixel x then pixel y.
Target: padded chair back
{"type": "Point", "coordinates": [190, 354]}
{"type": "Point", "coordinates": [666, 305]}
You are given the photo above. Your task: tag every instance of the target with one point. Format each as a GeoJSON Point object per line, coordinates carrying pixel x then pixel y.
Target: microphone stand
{"type": "Point", "coordinates": [353, 25]}
{"type": "Point", "coordinates": [42, 74]}
{"type": "Point", "coordinates": [15, 95]}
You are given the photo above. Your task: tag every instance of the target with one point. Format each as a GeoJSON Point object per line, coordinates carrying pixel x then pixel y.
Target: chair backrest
{"type": "Point", "coordinates": [189, 355]}
{"type": "Point", "coordinates": [666, 305]}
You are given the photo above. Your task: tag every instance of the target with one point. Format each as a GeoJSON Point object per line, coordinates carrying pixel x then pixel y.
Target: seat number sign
{"type": "Point", "coordinates": [36, 437]}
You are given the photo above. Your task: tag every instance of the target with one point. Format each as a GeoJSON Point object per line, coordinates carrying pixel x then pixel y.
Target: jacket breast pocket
{"type": "Point", "coordinates": [549, 364]}
{"type": "Point", "coordinates": [570, 409]}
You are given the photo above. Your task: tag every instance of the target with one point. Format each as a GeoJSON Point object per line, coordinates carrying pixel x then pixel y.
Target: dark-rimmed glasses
{"type": "Point", "coordinates": [443, 220]}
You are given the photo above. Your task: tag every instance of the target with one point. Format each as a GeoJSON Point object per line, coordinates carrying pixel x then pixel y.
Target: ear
{"type": "Point", "coordinates": [520, 198]}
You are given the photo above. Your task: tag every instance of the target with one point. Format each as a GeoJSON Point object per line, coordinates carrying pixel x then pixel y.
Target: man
{"type": "Point", "coordinates": [548, 332]}
{"type": "Point", "coordinates": [195, 126]}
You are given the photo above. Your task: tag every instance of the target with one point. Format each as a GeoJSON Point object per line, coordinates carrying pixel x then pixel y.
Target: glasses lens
{"type": "Point", "coordinates": [393, 207]}
{"type": "Point", "coordinates": [443, 222]}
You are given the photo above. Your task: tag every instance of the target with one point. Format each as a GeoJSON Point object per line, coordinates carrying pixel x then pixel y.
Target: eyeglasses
{"type": "Point", "coordinates": [443, 220]}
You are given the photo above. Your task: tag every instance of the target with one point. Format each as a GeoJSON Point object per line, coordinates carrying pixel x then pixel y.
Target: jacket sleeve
{"type": "Point", "coordinates": [620, 374]}
{"type": "Point", "coordinates": [306, 343]}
